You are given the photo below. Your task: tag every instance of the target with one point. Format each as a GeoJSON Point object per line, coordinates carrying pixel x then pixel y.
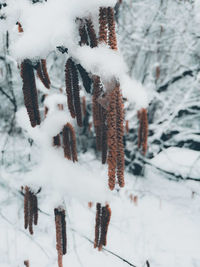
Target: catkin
{"type": "Point", "coordinates": [69, 142]}
{"type": "Point", "coordinates": [112, 39]}
{"type": "Point", "coordinates": [120, 134]}
{"type": "Point", "coordinates": [112, 139]}
{"type": "Point", "coordinates": [30, 93]}
{"type": "Point", "coordinates": [103, 25]}
{"type": "Point", "coordinates": [76, 94]}
{"type": "Point", "coordinates": [103, 215]}
{"type": "Point", "coordinates": [143, 130]}
{"type": "Point", "coordinates": [91, 33]}
{"type": "Point", "coordinates": [97, 110]}
{"type": "Point", "coordinates": [69, 87]}
{"type": "Point", "coordinates": [30, 209]}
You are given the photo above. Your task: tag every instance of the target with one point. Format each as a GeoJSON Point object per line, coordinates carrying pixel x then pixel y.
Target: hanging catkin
{"type": "Point", "coordinates": [97, 110]}
{"type": "Point", "coordinates": [76, 93]}
{"type": "Point", "coordinates": [112, 39]}
{"type": "Point", "coordinates": [103, 215]}
{"type": "Point", "coordinates": [69, 87]}
{"type": "Point", "coordinates": [103, 25]}
{"type": "Point", "coordinates": [58, 236]}
{"type": "Point", "coordinates": [30, 92]}
{"type": "Point", "coordinates": [104, 146]}
{"type": "Point", "coordinates": [83, 33]}
{"type": "Point", "coordinates": [91, 33]}
{"type": "Point", "coordinates": [143, 130]}
{"type": "Point", "coordinates": [97, 225]}
{"type": "Point", "coordinates": [30, 209]}
{"type": "Point", "coordinates": [61, 235]}
{"type": "Point", "coordinates": [43, 74]}
{"type": "Point", "coordinates": [112, 139]}
{"type": "Point", "coordinates": [69, 142]}
{"type": "Point", "coordinates": [87, 82]}
{"type": "Point", "coordinates": [120, 134]}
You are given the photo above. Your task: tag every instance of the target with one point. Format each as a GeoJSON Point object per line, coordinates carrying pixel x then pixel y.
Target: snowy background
{"type": "Point", "coordinates": [155, 218]}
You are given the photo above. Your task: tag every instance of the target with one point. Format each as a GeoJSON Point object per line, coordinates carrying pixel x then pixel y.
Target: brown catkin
{"type": "Point", "coordinates": [104, 145]}
{"type": "Point", "coordinates": [40, 75]}
{"type": "Point", "coordinates": [35, 209]}
{"type": "Point", "coordinates": [72, 142]}
{"type": "Point", "coordinates": [45, 73]}
{"type": "Point", "coordinates": [127, 126]}
{"type": "Point", "coordinates": [97, 225]}
{"type": "Point", "coordinates": [144, 131]}
{"type": "Point", "coordinates": [31, 212]}
{"type": "Point", "coordinates": [69, 87]}
{"type": "Point", "coordinates": [91, 33]}
{"type": "Point", "coordinates": [120, 134]}
{"type": "Point", "coordinates": [76, 94]}
{"type": "Point", "coordinates": [97, 110]}
{"type": "Point", "coordinates": [58, 236]}
{"type": "Point", "coordinates": [64, 234]}
{"type": "Point", "coordinates": [83, 34]}
{"type": "Point", "coordinates": [105, 220]}
{"type": "Point", "coordinates": [112, 139]}
{"type": "Point", "coordinates": [26, 207]}
{"type": "Point", "coordinates": [30, 93]}
{"type": "Point", "coordinates": [112, 39]}
{"type": "Point", "coordinates": [103, 25]}
{"type": "Point", "coordinates": [84, 106]}
{"type": "Point", "coordinates": [66, 142]}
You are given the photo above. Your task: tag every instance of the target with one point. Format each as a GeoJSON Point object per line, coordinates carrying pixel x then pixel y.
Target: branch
{"type": "Point", "coordinates": [164, 87]}
{"type": "Point", "coordinates": [105, 249]}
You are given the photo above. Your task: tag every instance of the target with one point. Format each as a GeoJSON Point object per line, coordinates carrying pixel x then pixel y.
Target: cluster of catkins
{"type": "Point", "coordinates": [108, 118]}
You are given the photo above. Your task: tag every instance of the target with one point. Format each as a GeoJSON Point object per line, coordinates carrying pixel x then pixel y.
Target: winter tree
{"type": "Point", "coordinates": [99, 133]}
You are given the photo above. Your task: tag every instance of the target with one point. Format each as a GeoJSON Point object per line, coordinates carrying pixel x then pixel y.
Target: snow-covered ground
{"type": "Point", "coordinates": [161, 225]}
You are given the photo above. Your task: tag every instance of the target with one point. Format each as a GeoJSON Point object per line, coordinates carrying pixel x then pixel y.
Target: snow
{"type": "Point", "coordinates": [181, 161]}
{"type": "Point", "coordinates": [54, 26]}
{"type": "Point", "coordinates": [163, 227]}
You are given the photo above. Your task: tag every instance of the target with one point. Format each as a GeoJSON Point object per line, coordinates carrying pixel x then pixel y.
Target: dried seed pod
{"type": "Point", "coordinates": [127, 126]}
{"type": "Point", "coordinates": [112, 39]}
{"type": "Point", "coordinates": [91, 33]}
{"type": "Point", "coordinates": [103, 25]}
{"type": "Point", "coordinates": [30, 93]}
